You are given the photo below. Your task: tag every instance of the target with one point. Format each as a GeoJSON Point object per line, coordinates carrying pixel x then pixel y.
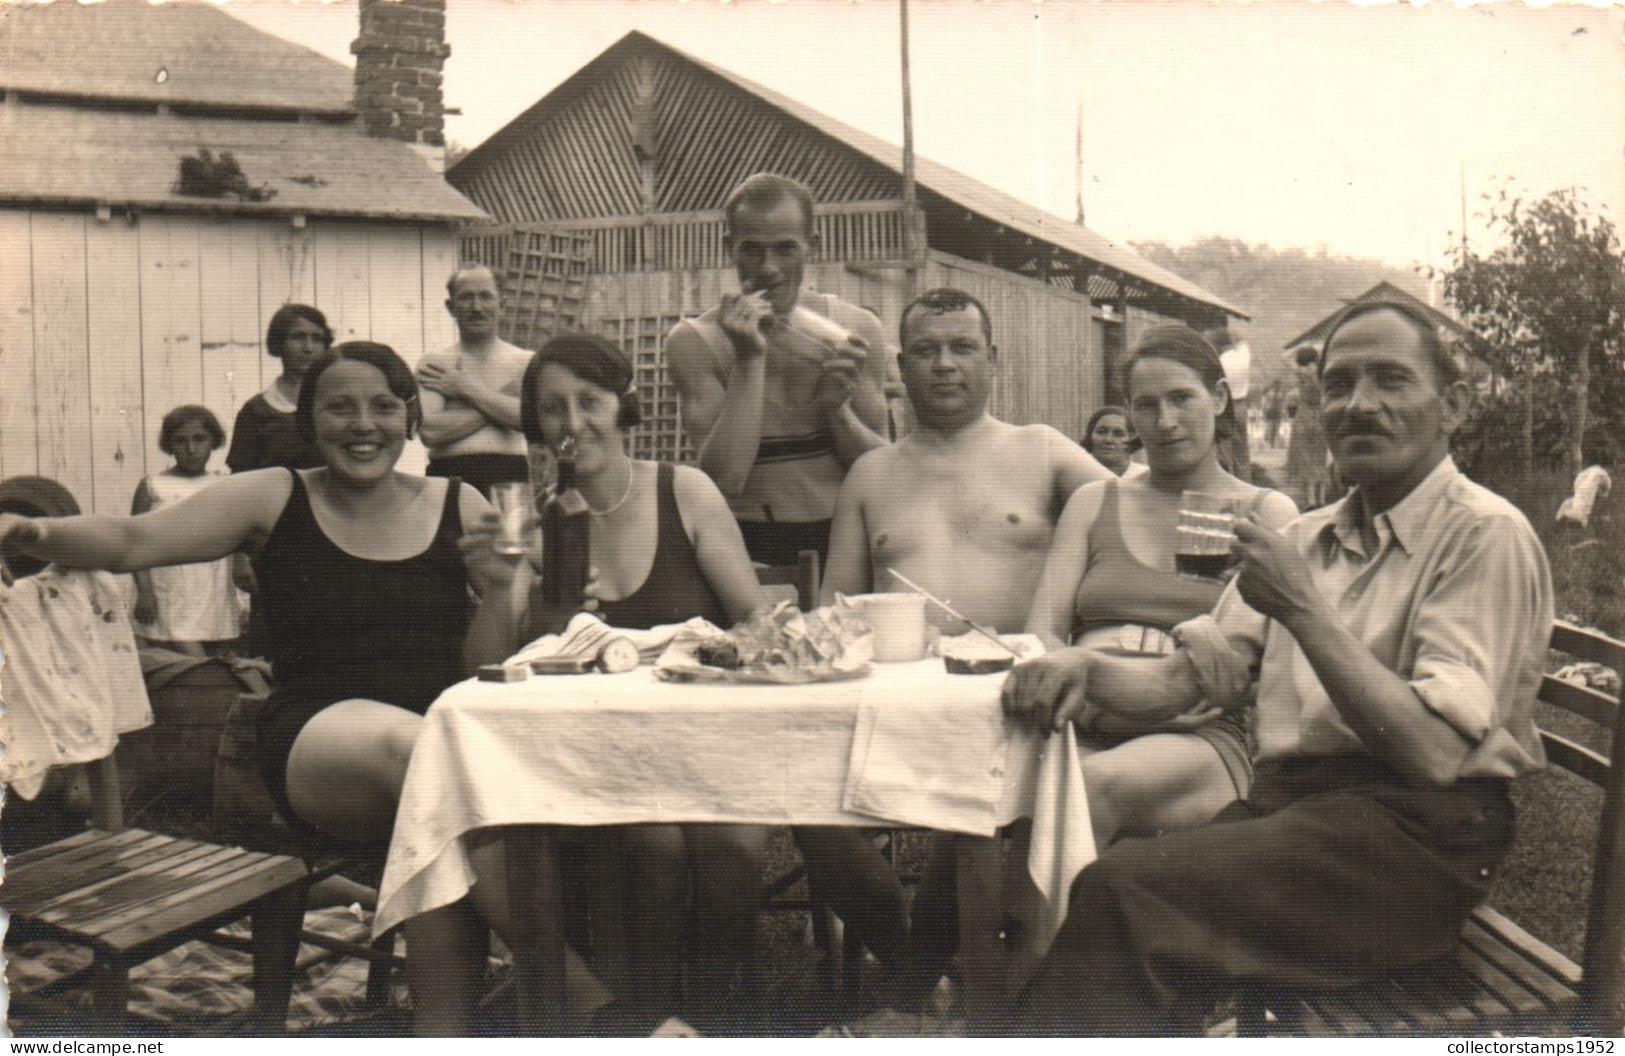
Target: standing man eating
{"type": "Point", "coordinates": [775, 429]}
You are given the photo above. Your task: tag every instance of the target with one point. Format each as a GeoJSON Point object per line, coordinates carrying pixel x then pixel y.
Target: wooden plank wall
{"type": "Point", "coordinates": [107, 325]}
{"type": "Point", "coordinates": [1049, 372]}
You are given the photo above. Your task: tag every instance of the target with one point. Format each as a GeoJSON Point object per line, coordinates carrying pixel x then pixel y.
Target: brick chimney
{"type": "Point", "coordinates": [398, 59]}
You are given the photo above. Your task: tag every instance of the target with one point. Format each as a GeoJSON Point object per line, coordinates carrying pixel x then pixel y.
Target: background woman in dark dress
{"type": "Point", "coordinates": [264, 433]}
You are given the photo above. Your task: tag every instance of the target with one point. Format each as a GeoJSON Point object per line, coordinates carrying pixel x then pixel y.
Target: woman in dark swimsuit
{"type": "Point", "coordinates": [365, 594]}
{"type": "Point", "coordinates": [664, 548]}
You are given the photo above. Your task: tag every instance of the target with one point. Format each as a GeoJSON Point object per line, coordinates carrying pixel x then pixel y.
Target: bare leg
{"type": "Point", "coordinates": [847, 873]}
{"type": "Point", "coordinates": [1155, 784]}
{"type": "Point", "coordinates": [584, 994]}
{"type": "Point", "coordinates": [981, 924]}
{"type": "Point", "coordinates": [933, 931]}
{"type": "Point", "coordinates": [446, 949]}
{"type": "Point", "coordinates": [347, 767]}
{"type": "Point", "coordinates": [657, 859]}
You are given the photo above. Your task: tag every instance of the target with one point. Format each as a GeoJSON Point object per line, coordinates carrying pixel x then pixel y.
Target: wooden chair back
{"type": "Point", "coordinates": [803, 577]}
{"type": "Point", "coordinates": [1601, 1009]}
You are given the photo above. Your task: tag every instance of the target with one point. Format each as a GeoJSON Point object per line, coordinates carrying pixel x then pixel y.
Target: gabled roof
{"type": "Point", "coordinates": [175, 52]}
{"type": "Point", "coordinates": [1315, 336]}
{"type": "Point", "coordinates": [87, 125]}
{"type": "Point", "coordinates": [81, 155]}
{"type": "Point", "coordinates": [931, 178]}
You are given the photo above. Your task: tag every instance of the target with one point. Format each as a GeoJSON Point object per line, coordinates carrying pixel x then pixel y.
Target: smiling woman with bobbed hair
{"type": "Point", "coordinates": [365, 581]}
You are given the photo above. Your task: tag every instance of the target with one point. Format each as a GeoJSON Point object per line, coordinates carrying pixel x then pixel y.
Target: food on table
{"type": "Point", "coordinates": [617, 655]}
{"type": "Point", "coordinates": [587, 643]}
{"type": "Point", "coordinates": [780, 645]}
{"type": "Point", "coordinates": [974, 654]}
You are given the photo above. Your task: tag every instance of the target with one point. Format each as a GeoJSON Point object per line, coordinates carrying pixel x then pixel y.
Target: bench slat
{"type": "Point", "coordinates": [1518, 999]}
{"type": "Point", "coordinates": [1513, 961]}
{"type": "Point", "coordinates": [1437, 999]}
{"type": "Point", "coordinates": [1589, 645]}
{"type": "Point", "coordinates": [55, 871]}
{"type": "Point", "coordinates": [62, 846]}
{"type": "Point", "coordinates": [145, 857]}
{"type": "Point", "coordinates": [1577, 759]}
{"type": "Point", "coordinates": [1583, 701]}
{"type": "Point", "coordinates": [204, 903]}
{"type": "Point", "coordinates": [154, 893]}
{"type": "Point", "coordinates": [1559, 966]}
{"type": "Point", "coordinates": [78, 903]}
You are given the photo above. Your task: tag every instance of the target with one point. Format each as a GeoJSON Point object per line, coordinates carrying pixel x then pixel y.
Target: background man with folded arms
{"type": "Point", "coordinates": [1397, 640]}
{"type": "Point", "coordinates": [470, 391]}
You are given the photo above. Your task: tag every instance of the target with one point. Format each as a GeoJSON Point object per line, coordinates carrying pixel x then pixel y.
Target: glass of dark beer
{"type": "Point", "coordinates": [1203, 536]}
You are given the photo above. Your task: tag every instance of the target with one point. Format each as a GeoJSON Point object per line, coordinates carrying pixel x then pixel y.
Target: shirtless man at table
{"type": "Point", "coordinates": [965, 506]}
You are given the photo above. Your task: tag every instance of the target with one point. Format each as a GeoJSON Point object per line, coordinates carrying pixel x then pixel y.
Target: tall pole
{"type": "Point", "coordinates": [1079, 174]}
{"type": "Point", "coordinates": [910, 247]}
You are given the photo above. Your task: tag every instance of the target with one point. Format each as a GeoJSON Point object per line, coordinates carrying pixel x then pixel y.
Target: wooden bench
{"type": "Point", "coordinates": [130, 895]}
{"type": "Point", "coordinates": [1500, 977]}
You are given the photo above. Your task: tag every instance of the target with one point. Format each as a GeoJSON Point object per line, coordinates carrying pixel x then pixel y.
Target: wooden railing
{"type": "Point", "coordinates": [850, 231]}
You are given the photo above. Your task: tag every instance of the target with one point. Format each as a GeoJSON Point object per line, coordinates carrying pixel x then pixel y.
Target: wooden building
{"type": "Point", "coordinates": [1307, 346]}
{"type": "Point", "coordinates": [608, 194]}
{"type": "Point", "coordinates": [125, 291]}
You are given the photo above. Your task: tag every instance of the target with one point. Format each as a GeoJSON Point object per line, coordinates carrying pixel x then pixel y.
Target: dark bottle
{"type": "Point", "coordinates": [565, 547]}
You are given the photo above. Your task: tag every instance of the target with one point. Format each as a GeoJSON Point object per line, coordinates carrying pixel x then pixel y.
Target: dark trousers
{"type": "Point", "coordinates": [1332, 869]}
{"type": "Point", "coordinates": [482, 471]}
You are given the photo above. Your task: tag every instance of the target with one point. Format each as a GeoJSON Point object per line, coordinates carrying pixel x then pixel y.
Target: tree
{"type": "Point", "coordinates": [1286, 291]}
{"type": "Point", "coordinates": [1545, 306]}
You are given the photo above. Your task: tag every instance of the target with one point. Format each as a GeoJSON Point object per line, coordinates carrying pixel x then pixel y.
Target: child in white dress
{"type": "Point", "coordinates": [194, 609]}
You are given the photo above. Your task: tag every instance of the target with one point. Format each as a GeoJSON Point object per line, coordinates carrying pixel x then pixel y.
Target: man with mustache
{"type": "Point", "coordinates": [1395, 640]}
{"type": "Point", "coordinates": [470, 391]}
{"type": "Point", "coordinates": [777, 430]}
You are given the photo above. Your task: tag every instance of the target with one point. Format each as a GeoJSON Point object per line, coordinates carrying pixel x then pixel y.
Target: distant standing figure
{"type": "Point", "coordinates": [1111, 439]}
{"type": "Point", "coordinates": [1307, 473]}
{"type": "Point", "coordinates": [471, 390]}
{"type": "Point", "coordinates": [264, 434]}
{"type": "Point", "coordinates": [196, 608]}
{"type": "Point", "coordinates": [1237, 360]}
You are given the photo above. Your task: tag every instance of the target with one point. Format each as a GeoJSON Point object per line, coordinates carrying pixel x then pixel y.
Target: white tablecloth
{"type": "Point", "coordinates": [908, 744]}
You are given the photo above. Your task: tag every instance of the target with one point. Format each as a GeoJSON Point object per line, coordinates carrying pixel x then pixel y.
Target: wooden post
{"type": "Point", "coordinates": [536, 899]}
{"type": "Point", "coordinates": [912, 243]}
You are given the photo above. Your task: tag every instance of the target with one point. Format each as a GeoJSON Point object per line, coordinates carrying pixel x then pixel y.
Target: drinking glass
{"type": "Point", "coordinates": [1203, 536]}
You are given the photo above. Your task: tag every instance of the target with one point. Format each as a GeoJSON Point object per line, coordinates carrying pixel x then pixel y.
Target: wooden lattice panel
{"type": "Point", "coordinates": [545, 282]}
{"type": "Point", "coordinates": [659, 437]}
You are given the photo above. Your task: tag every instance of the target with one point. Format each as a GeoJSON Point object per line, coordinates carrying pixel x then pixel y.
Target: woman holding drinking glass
{"type": "Point", "coordinates": [1110, 584]}
{"type": "Point", "coordinates": [365, 577]}
{"type": "Point", "coordinates": [664, 548]}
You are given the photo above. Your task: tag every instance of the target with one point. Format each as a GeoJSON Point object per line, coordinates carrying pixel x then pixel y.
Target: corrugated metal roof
{"type": "Point", "coordinates": [931, 177]}
{"type": "Point", "coordinates": [76, 155]}
{"type": "Point", "coordinates": [175, 52]}
{"type": "Point", "coordinates": [1382, 291]}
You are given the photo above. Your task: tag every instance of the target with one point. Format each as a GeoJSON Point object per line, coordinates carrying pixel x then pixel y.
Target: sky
{"type": "Point", "coordinates": [1287, 123]}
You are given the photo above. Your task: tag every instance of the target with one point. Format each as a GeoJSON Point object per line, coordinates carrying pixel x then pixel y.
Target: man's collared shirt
{"type": "Point", "coordinates": [1455, 596]}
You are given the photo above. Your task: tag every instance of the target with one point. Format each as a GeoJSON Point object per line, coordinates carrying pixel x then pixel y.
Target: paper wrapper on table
{"type": "Point", "coordinates": [784, 646]}
{"type": "Point", "coordinates": [584, 628]}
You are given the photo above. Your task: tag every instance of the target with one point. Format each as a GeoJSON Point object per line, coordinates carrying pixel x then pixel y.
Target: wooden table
{"type": "Point", "coordinates": [627, 749]}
